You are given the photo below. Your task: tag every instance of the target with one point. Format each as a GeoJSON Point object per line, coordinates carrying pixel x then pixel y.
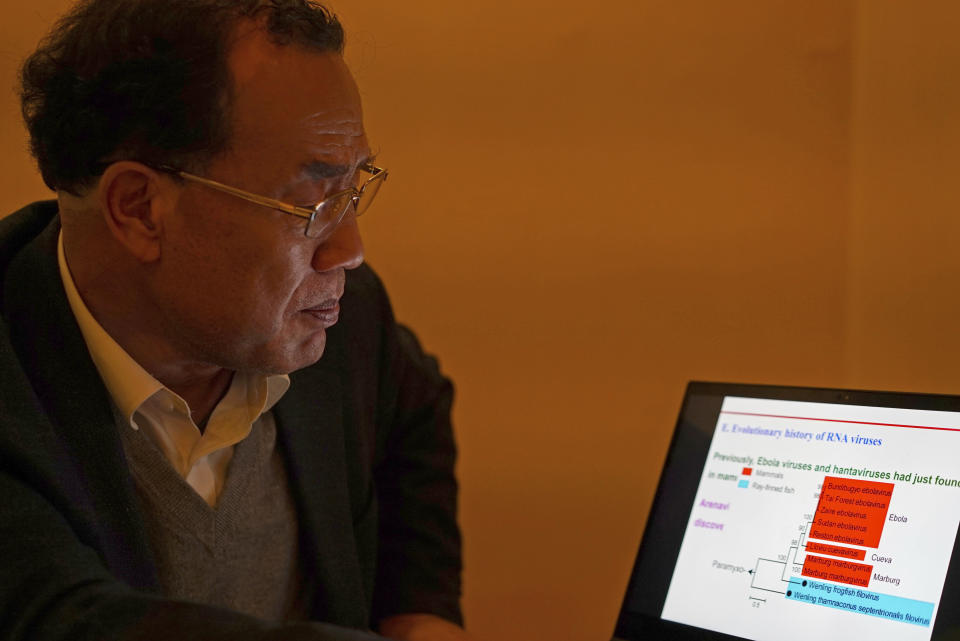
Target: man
{"type": "Point", "coordinates": [210, 424]}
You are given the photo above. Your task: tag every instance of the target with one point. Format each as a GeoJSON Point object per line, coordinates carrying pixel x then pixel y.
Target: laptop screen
{"type": "Point", "coordinates": [785, 514]}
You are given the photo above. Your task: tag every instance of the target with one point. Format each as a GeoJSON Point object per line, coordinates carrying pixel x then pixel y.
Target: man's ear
{"type": "Point", "coordinates": [131, 199]}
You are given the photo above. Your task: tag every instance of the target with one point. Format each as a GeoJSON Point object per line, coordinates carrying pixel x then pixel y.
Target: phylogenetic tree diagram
{"type": "Point", "coordinates": [849, 520]}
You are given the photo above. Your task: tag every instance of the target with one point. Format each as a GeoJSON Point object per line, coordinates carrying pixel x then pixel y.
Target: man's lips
{"type": "Point", "coordinates": [327, 312]}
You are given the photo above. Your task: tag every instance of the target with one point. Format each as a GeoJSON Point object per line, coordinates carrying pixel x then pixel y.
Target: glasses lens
{"type": "Point", "coordinates": [329, 214]}
{"type": "Point", "coordinates": [369, 191]}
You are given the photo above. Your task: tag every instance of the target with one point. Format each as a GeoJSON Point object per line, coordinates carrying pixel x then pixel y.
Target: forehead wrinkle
{"type": "Point", "coordinates": [340, 143]}
{"type": "Point", "coordinates": [324, 125]}
{"type": "Point", "coordinates": [322, 140]}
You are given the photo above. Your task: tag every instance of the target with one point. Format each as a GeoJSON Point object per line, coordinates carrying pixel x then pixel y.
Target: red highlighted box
{"type": "Point", "coordinates": [747, 471]}
{"type": "Point", "coordinates": [819, 567]}
{"type": "Point", "coordinates": [851, 511]}
{"type": "Point", "coordinates": [836, 550]}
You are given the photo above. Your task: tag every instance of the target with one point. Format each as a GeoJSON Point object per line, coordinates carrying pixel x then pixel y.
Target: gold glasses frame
{"type": "Point", "coordinates": [329, 212]}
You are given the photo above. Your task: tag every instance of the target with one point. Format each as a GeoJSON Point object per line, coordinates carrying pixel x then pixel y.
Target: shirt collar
{"type": "Point", "coordinates": [127, 382]}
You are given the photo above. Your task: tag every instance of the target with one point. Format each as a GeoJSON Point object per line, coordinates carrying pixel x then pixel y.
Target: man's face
{"type": "Point", "coordinates": [239, 285]}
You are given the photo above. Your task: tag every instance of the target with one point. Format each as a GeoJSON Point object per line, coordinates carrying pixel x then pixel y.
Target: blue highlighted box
{"type": "Point", "coordinates": [859, 601]}
{"type": "Point", "coordinates": [743, 483]}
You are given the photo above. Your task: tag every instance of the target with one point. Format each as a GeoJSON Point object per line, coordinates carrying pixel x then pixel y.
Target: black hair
{"type": "Point", "coordinates": [146, 80]}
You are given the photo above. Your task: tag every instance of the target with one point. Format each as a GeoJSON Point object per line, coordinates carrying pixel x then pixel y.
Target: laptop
{"type": "Point", "coordinates": [793, 514]}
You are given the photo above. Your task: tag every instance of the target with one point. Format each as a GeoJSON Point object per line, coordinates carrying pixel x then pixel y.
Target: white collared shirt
{"type": "Point", "coordinates": [201, 458]}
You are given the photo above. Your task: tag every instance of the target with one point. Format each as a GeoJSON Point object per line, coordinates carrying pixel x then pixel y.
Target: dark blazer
{"type": "Point", "coordinates": [365, 434]}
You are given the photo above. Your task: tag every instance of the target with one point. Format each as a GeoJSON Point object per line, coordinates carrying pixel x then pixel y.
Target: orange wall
{"type": "Point", "coordinates": [903, 324]}
{"type": "Point", "coordinates": [591, 204]}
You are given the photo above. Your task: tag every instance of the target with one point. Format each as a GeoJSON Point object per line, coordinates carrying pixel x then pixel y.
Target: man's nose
{"type": "Point", "coordinates": [343, 249]}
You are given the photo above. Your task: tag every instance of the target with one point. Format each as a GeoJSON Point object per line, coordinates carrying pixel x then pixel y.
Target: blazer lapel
{"type": "Point", "coordinates": [89, 467]}
{"type": "Point", "coordinates": [310, 430]}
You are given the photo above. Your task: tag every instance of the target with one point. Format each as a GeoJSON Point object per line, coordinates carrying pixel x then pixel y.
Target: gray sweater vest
{"type": "Point", "coordinates": [242, 554]}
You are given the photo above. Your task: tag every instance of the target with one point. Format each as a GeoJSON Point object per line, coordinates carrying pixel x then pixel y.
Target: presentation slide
{"type": "Point", "coordinates": [820, 521]}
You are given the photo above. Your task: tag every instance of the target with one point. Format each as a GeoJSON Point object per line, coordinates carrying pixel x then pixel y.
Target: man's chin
{"type": "Point", "coordinates": [294, 357]}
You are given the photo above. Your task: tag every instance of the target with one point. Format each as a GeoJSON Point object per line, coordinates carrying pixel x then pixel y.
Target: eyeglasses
{"type": "Point", "coordinates": [323, 217]}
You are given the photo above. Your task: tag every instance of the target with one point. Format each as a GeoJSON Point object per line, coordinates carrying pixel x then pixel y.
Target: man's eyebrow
{"type": "Point", "coordinates": [320, 170]}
